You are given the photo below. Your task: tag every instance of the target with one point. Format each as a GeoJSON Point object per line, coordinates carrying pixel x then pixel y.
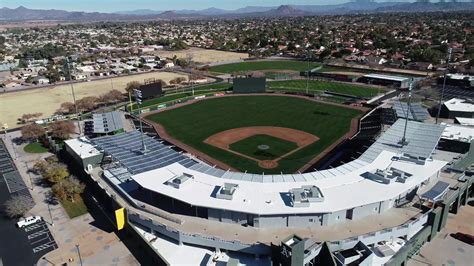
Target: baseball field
{"type": "Point", "coordinates": [318, 86]}
{"type": "Point", "coordinates": [258, 133]}
{"type": "Point", "coordinates": [291, 65]}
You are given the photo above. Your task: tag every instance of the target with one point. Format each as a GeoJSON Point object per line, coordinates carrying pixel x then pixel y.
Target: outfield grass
{"type": "Point", "coordinates": [74, 209]}
{"type": "Point", "coordinates": [264, 65]}
{"type": "Point", "coordinates": [35, 147]}
{"type": "Point", "coordinates": [194, 123]}
{"type": "Point", "coordinates": [320, 86]}
{"type": "Point", "coordinates": [277, 147]}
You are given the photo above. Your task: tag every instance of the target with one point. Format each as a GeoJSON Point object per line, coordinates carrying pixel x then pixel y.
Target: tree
{"type": "Point", "coordinates": [55, 173]}
{"type": "Point", "coordinates": [28, 117]}
{"type": "Point", "coordinates": [18, 205]}
{"type": "Point", "coordinates": [32, 131]}
{"type": "Point", "coordinates": [133, 85]}
{"type": "Point", "coordinates": [62, 129]}
{"type": "Point", "coordinates": [68, 188]}
{"type": "Point", "coordinates": [112, 96]}
{"type": "Point", "coordinates": [177, 80]}
{"type": "Point", "coordinates": [87, 103]}
{"type": "Point", "coordinates": [66, 108]}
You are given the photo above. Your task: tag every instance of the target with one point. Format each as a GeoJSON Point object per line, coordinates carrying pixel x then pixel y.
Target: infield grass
{"type": "Point", "coordinates": [264, 65]}
{"type": "Point", "coordinates": [194, 123]}
{"type": "Point", "coordinates": [276, 147]}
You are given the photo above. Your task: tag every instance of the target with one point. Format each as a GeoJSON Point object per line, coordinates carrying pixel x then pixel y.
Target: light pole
{"type": "Point", "coordinates": [404, 141]}
{"type": "Point", "coordinates": [450, 50]}
{"type": "Point", "coordinates": [307, 75]}
{"type": "Point", "coordinates": [29, 174]}
{"type": "Point", "coordinates": [49, 210]}
{"type": "Point", "coordinates": [79, 253]}
{"type": "Point", "coordinates": [74, 98]}
{"type": "Point", "coordinates": [138, 100]}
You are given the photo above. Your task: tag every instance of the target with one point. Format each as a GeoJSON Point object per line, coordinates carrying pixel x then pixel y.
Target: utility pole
{"type": "Point", "coordinates": [74, 98]}
{"type": "Point", "coordinates": [404, 141]}
{"type": "Point", "coordinates": [450, 50]}
{"type": "Point", "coordinates": [307, 75]}
{"type": "Point", "coordinates": [138, 100]}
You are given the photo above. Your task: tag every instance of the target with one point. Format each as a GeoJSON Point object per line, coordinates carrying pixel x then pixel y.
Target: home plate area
{"type": "Point", "coordinates": [265, 145]}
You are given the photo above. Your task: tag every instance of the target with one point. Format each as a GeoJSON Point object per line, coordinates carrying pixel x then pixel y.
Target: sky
{"type": "Point", "coordinates": [162, 5]}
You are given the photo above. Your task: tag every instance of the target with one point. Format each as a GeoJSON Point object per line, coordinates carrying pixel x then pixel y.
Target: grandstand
{"type": "Point", "coordinates": [261, 200]}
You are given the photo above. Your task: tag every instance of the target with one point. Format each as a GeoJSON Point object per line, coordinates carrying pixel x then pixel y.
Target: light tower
{"type": "Point", "coordinates": [404, 141]}
{"type": "Point", "coordinates": [450, 50]}
{"type": "Point", "coordinates": [138, 100]}
{"type": "Point", "coordinates": [74, 97]}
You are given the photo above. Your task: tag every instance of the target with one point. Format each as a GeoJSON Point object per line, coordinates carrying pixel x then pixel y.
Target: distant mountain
{"type": "Point", "coordinates": [428, 7]}
{"type": "Point", "coordinates": [22, 13]}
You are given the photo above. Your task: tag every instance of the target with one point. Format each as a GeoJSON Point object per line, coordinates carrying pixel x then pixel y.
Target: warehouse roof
{"type": "Point", "coordinates": [460, 105]}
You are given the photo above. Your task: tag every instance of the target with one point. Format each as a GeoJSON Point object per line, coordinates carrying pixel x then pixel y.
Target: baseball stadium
{"type": "Point", "coordinates": [240, 169]}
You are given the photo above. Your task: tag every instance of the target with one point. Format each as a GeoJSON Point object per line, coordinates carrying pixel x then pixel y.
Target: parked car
{"type": "Point", "coordinates": [28, 221]}
{"type": "Point", "coordinates": [466, 238]}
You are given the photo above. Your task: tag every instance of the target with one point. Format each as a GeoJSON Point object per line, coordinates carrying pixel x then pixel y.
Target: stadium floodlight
{"type": "Point", "coordinates": [404, 141]}
{"type": "Point", "coordinates": [450, 50]}
{"type": "Point", "coordinates": [138, 100]}
{"type": "Point", "coordinates": [74, 97]}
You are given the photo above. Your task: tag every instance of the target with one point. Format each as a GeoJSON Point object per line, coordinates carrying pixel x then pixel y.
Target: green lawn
{"type": "Point", "coordinates": [264, 65]}
{"type": "Point", "coordinates": [194, 123]}
{"type": "Point", "coordinates": [276, 147]}
{"type": "Point", "coordinates": [320, 86]}
{"type": "Point", "coordinates": [74, 209]}
{"type": "Point", "coordinates": [35, 147]}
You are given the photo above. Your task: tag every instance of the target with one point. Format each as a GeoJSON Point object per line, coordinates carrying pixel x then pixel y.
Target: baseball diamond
{"type": "Point", "coordinates": [226, 131]}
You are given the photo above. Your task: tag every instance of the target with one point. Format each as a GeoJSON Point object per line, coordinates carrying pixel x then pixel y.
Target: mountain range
{"type": "Point", "coordinates": [22, 13]}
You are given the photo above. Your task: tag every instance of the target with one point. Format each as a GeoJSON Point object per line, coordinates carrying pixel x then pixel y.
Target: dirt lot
{"type": "Point", "coordinates": [203, 56]}
{"type": "Point", "coordinates": [47, 100]}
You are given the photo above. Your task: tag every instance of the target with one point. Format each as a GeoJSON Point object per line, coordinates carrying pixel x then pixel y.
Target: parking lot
{"type": "Point", "coordinates": [19, 246]}
{"type": "Point", "coordinates": [40, 238]}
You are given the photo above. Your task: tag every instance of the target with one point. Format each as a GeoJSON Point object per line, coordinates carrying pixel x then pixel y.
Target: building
{"type": "Point", "coordinates": [456, 138]}
{"type": "Point", "coordinates": [385, 80]}
{"type": "Point", "coordinates": [457, 107]}
{"type": "Point", "coordinates": [84, 152]}
{"type": "Point", "coordinates": [458, 80]}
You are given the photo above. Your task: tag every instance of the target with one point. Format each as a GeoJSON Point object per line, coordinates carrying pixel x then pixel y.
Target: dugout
{"type": "Point", "coordinates": [249, 85]}
{"type": "Point", "coordinates": [151, 90]}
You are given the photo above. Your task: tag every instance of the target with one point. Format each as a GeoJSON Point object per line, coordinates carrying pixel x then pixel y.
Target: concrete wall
{"type": "Point", "coordinates": [362, 211]}
{"type": "Point", "coordinates": [334, 217]}
{"type": "Point", "coordinates": [305, 220]}
{"type": "Point", "coordinates": [270, 221]}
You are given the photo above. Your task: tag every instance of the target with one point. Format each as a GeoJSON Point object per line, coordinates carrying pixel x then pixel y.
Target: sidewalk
{"type": "Point", "coordinates": [96, 241]}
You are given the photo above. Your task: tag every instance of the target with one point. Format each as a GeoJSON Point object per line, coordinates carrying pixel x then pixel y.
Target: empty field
{"type": "Point", "coordinates": [291, 65]}
{"type": "Point", "coordinates": [194, 123]}
{"type": "Point", "coordinates": [47, 100]}
{"type": "Point", "coordinates": [203, 56]}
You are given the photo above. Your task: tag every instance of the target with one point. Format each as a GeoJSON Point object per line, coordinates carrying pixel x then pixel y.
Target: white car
{"type": "Point", "coordinates": [28, 221]}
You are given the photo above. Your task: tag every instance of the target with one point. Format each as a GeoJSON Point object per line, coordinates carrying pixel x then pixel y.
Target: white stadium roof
{"type": "Point", "coordinates": [343, 191]}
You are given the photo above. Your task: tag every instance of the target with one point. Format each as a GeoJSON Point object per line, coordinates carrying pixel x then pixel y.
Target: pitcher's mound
{"type": "Point", "coordinates": [268, 164]}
